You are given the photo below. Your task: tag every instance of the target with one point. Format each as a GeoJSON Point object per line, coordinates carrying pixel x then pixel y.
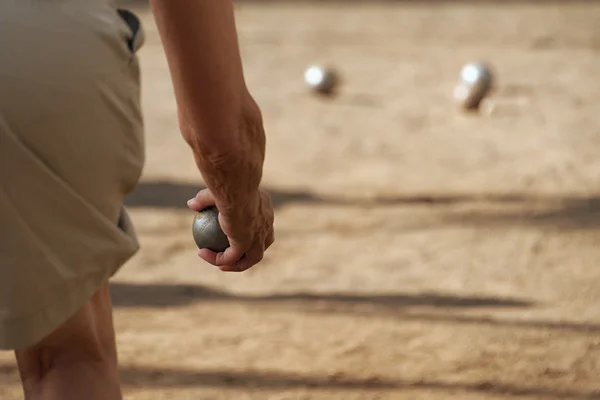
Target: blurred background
{"type": "Point", "coordinates": [422, 251]}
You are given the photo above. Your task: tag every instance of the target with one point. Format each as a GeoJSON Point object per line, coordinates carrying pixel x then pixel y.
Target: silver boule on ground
{"type": "Point", "coordinates": [321, 79]}
{"type": "Point", "coordinates": [475, 83]}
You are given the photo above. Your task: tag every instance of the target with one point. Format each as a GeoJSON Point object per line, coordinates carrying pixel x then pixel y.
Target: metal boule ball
{"type": "Point", "coordinates": [321, 79]}
{"type": "Point", "coordinates": [476, 81]}
{"type": "Point", "coordinates": [207, 232]}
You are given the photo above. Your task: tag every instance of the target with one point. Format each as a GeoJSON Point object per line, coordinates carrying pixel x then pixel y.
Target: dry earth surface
{"type": "Point", "coordinates": [422, 253]}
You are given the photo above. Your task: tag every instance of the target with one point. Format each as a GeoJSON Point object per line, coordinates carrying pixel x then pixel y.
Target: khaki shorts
{"type": "Point", "coordinates": [71, 148]}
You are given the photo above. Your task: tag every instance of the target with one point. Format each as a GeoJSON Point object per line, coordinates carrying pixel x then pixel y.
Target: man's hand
{"type": "Point", "coordinates": [248, 228]}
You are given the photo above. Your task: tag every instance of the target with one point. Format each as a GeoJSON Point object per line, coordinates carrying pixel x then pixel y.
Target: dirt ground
{"type": "Point", "coordinates": [421, 253]}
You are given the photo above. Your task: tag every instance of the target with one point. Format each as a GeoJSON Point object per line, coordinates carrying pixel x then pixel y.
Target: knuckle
{"type": "Point", "coordinates": [254, 255]}
{"type": "Point", "coordinates": [257, 257]}
{"type": "Point", "coordinates": [242, 265]}
{"type": "Point", "coordinates": [221, 260]}
{"type": "Point", "coordinates": [260, 257]}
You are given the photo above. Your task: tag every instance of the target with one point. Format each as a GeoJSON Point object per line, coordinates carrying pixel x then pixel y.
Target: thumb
{"type": "Point", "coordinates": [202, 200]}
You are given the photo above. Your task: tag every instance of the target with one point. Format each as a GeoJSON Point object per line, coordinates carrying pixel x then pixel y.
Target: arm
{"type": "Point", "coordinates": [218, 117]}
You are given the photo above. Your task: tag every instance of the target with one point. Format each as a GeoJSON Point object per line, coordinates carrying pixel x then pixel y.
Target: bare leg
{"type": "Point", "coordinates": [78, 360]}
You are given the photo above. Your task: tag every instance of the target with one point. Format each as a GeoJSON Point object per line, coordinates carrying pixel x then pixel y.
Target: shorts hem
{"type": "Point", "coordinates": [20, 332]}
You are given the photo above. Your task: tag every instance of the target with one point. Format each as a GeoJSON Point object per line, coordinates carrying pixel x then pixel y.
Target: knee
{"type": "Point", "coordinates": [87, 338]}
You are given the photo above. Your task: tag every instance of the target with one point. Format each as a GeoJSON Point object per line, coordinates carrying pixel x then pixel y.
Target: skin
{"type": "Point", "coordinates": [78, 360]}
{"type": "Point", "coordinates": [223, 126]}
{"type": "Point", "coordinates": [221, 122]}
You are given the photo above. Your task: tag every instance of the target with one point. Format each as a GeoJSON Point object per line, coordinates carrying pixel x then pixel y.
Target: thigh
{"type": "Point", "coordinates": [71, 148]}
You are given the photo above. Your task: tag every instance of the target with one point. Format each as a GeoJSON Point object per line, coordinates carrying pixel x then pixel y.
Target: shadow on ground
{"type": "Point", "coordinates": [542, 211]}
{"type": "Point", "coordinates": [159, 295]}
{"type": "Point", "coordinates": [161, 378]}
{"type": "Point", "coordinates": [573, 213]}
{"type": "Point", "coordinates": [151, 377]}
{"type": "Point", "coordinates": [425, 307]}
{"type": "Point", "coordinates": [164, 194]}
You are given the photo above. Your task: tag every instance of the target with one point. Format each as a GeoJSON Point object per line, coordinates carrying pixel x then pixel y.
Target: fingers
{"type": "Point", "coordinates": [230, 256]}
{"type": "Point", "coordinates": [202, 200]}
{"type": "Point", "coordinates": [252, 257]}
{"type": "Point", "coordinates": [231, 262]}
{"type": "Point", "coordinates": [244, 252]}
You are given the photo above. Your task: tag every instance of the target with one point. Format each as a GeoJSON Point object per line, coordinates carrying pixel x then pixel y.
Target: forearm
{"type": "Point", "coordinates": [218, 118]}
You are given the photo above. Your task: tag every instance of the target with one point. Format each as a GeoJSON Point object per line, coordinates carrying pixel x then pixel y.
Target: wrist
{"type": "Point", "coordinates": [221, 134]}
{"type": "Point", "coordinates": [241, 208]}
{"type": "Point", "coordinates": [233, 172]}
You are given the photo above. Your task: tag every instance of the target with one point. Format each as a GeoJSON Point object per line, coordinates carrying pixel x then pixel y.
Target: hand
{"type": "Point", "coordinates": [249, 229]}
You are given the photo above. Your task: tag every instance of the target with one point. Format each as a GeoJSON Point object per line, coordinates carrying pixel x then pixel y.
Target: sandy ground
{"type": "Point", "coordinates": [421, 253]}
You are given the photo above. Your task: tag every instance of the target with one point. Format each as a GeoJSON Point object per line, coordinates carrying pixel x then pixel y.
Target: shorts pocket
{"type": "Point", "coordinates": [136, 37]}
